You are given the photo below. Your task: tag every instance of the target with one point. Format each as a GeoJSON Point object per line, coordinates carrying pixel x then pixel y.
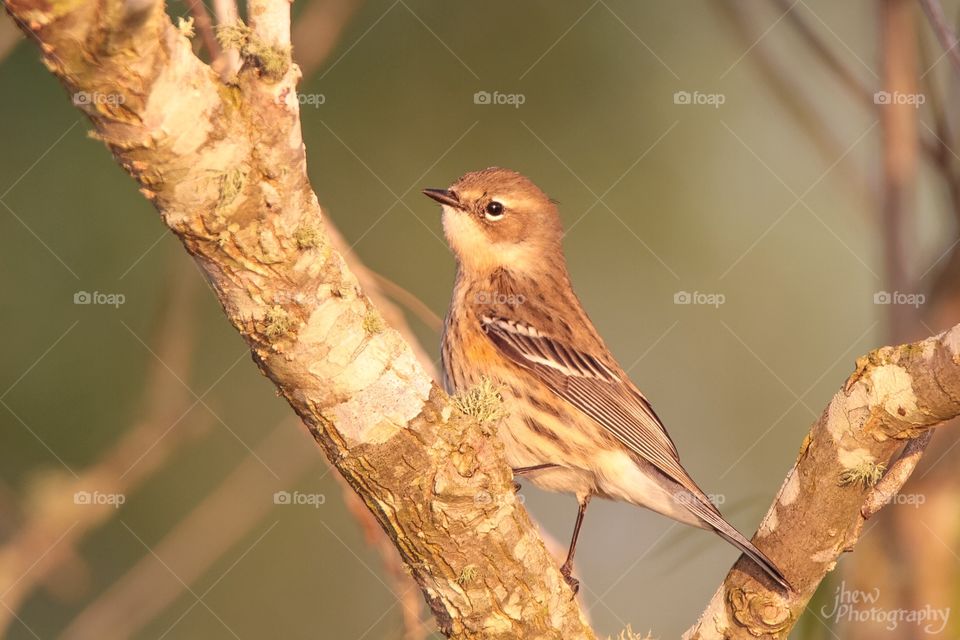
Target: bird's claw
{"type": "Point", "coordinates": [572, 582]}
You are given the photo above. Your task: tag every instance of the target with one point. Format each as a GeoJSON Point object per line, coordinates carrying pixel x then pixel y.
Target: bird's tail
{"type": "Point", "coordinates": [708, 513]}
{"type": "Point", "coordinates": [737, 539]}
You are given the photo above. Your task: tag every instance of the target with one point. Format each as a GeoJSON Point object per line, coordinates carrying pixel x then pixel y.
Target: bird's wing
{"type": "Point", "coordinates": [594, 388]}
{"type": "Point", "coordinates": [616, 404]}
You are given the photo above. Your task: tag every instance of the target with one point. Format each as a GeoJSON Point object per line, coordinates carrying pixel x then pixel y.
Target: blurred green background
{"type": "Point", "coordinates": [692, 197]}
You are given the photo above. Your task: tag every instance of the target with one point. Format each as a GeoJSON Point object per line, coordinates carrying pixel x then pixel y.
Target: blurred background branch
{"type": "Point", "coordinates": [318, 29]}
{"type": "Point", "coordinates": [54, 519]}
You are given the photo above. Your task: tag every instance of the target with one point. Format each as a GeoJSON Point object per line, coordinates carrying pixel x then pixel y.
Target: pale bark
{"type": "Point", "coordinates": [224, 164]}
{"type": "Point", "coordinates": [895, 395]}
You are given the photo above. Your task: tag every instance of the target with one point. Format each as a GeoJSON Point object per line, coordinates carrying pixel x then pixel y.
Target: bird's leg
{"type": "Point", "coordinates": [519, 471]}
{"type": "Point", "coordinates": [567, 568]}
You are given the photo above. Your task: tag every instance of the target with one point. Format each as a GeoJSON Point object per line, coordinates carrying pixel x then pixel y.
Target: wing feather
{"type": "Point", "coordinates": [617, 405]}
{"type": "Point", "coordinates": [592, 387]}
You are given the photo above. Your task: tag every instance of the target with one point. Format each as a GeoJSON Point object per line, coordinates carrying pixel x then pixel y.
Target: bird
{"type": "Point", "coordinates": [575, 422]}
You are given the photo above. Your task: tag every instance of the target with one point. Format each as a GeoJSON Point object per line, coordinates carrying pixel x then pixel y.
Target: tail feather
{"type": "Point", "coordinates": [706, 511]}
{"type": "Point", "coordinates": [735, 538]}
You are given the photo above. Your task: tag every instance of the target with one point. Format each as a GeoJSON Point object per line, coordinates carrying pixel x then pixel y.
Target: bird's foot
{"type": "Point", "coordinates": [572, 582]}
{"type": "Point", "coordinates": [516, 487]}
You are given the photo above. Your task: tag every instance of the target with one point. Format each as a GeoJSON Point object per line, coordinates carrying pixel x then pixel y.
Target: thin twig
{"type": "Point", "coordinates": [779, 79]}
{"type": "Point", "coordinates": [856, 87]}
{"type": "Point", "coordinates": [806, 31]}
{"type": "Point", "coordinates": [204, 26]}
{"type": "Point", "coordinates": [414, 304]}
{"type": "Point", "coordinates": [318, 29]}
{"type": "Point", "coordinates": [898, 47]}
{"type": "Point", "coordinates": [228, 63]}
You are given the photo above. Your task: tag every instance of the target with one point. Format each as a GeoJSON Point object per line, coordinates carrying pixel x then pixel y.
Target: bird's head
{"type": "Point", "coordinates": [498, 218]}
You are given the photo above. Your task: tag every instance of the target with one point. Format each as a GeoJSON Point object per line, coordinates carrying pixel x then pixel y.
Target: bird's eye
{"type": "Point", "coordinates": [494, 211]}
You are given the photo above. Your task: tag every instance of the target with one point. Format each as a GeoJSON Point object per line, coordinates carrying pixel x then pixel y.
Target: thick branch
{"type": "Point", "coordinates": [895, 395]}
{"type": "Point", "coordinates": [225, 166]}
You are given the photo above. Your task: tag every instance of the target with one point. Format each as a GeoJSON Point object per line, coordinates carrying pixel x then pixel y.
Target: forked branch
{"type": "Point", "coordinates": [223, 162]}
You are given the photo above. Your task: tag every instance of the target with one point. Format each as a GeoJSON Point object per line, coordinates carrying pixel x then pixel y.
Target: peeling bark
{"type": "Point", "coordinates": [224, 165]}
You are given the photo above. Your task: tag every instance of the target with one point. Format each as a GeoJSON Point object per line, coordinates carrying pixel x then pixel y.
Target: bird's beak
{"type": "Point", "coordinates": [444, 196]}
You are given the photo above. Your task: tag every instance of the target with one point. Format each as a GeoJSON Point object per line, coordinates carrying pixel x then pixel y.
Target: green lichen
{"type": "Point", "coordinates": [865, 474]}
{"type": "Point", "coordinates": [231, 184]}
{"type": "Point", "coordinates": [277, 323]}
{"type": "Point", "coordinates": [307, 236]}
{"type": "Point", "coordinates": [234, 36]}
{"type": "Point", "coordinates": [373, 322]}
{"type": "Point", "coordinates": [185, 26]}
{"type": "Point", "coordinates": [483, 401]}
{"type": "Point", "coordinates": [273, 62]}
{"type": "Point", "coordinates": [232, 96]}
{"type": "Point", "coordinates": [468, 574]}
{"type": "Point", "coordinates": [630, 634]}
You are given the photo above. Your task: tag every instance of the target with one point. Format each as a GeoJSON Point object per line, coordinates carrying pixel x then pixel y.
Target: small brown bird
{"type": "Point", "coordinates": [575, 422]}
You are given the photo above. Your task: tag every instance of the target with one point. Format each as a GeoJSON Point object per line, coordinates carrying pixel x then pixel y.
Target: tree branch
{"type": "Point", "coordinates": [225, 167]}
{"type": "Point", "coordinates": [224, 164]}
{"type": "Point", "coordinates": [896, 394]}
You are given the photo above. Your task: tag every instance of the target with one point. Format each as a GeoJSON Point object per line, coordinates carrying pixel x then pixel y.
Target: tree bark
{"type": "Point", "coordinates": [838, 482]}
{"type": "Point", "coordinates": [224, 164]}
